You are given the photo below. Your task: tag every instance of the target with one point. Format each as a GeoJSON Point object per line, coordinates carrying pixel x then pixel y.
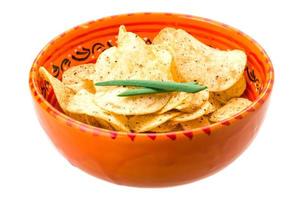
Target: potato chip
{"type": "Point", "coordinates": [62, 93]}
{"type": "Point", "coordinates": [133, 59]}
{"type": "Point", "coordinates": [134, 105]}
{"type": "Point", "coordinates": [166, 127]}
{"type": "Point", "coordinates": [85, 84]}
{"type": "Point", "coordinates": [83, 103]}
{"type": "Point", "coordinates": [166, 37]}
{"type": "Point", "coordinates": [79, 117]}
{"type": "Point", "coordinates": [143, 123]}
{"type": "Point", "coordinates": [176, 99]}
{"type": "Point", "coordinates": [165, 61]}
{"type": "Point", "coordinates": [194, 115]}
{"type": "Point", "coordinates": [214, 104]}
{"type": "Point", "coordinates": [98, 122]}
{"type": "Point", "coordinates": [80, 77]}
{"type": "Point", "coordinates": [231, 108]}
{"type": "Point", "coordinates": [234, 91]}
{"type": "Point", "coordinates": [196, 123]}
{"type": "Point", "coordinates": [129, 40]}
{"type": "Point", "coordinates": [77, 73]}
{"type": "Point", "coordinates": [195, 61]}
{"type": "Point", "coordinates": [174, 55]}
{"type": "Point", "coordinates": [107, 61]}
{"type": "Point", "coordinates": [89, 120]}
{"type": "Point", "coordinates": [193, 101]}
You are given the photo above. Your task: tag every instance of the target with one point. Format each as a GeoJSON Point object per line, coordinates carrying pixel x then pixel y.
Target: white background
{"type": "Point", "coordinates": [30, 166]}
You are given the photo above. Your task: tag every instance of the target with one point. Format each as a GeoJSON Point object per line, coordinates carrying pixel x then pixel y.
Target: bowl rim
{"type": "Point", "coordinates": [264, 95]}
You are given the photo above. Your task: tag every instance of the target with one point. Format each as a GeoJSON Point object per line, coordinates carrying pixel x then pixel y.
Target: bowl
{"type": "Point", "coordinates": [149, 160]}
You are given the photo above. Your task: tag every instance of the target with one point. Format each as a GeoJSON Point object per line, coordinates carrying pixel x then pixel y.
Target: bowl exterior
{"type": "Point", "coordinates": [154, 160]}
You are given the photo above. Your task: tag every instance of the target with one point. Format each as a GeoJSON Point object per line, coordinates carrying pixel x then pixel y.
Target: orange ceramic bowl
{"type": "Point", "coordinates": [149, 160]}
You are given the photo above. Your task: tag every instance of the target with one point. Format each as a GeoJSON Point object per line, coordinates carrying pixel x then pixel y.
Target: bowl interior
{"type": "Point", "coordinates": [84, 43]}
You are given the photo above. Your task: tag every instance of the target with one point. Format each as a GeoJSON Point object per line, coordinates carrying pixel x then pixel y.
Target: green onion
{"type": "Point", "coordinates": [190, 87]}
{"type": "Point", "coordinates": [141, 91]}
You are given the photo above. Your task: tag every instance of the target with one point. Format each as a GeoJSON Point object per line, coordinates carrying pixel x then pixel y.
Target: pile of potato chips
{"type": "Point", "coordinates": [174, 55]}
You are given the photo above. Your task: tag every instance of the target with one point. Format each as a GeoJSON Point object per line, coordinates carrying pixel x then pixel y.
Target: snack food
{"type": "Point", "coordinates": [196, 123]}
{"type": "Point", "coordinates": [79, 77]}
{"type": "Point", "coordinates": [176, 83]}
{"type": "Point", "coordinates": [142, 123]}
{"type": "Point", "coordinates": [231, 108]}
{"type": "Point", "coordinates": [193, 59]}
{"type": "Point", "coordinates": [234, 91]}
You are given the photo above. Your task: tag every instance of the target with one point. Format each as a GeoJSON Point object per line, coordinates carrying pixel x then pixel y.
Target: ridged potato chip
{"type": "Point", "coordinates": [143, 123]}
{"type": "Point", "coordinates": [62, 93]}
{"type": "Point", "coordinates": [196, 123]}
{"type": "Point", "coordinates": [195, 61]}
{"type": "Point", "coordinates": [234, 91]}
{"type": "Point", "coordinates": [194, 115]}
{"type": "Point", "coordinates": [83, 103]}
{"type": "Point", "coordinates": [135, 105]}
{"type": "Point", "coordinates": [193, 101]}
{"type": "Point", "coordinates": [231, 108]}
{"type": "Point", "coordinates": [166, 127]}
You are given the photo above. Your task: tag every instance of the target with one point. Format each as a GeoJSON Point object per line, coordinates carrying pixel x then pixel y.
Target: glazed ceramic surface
{"type": "Point", "coordinates": [149, 160]}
